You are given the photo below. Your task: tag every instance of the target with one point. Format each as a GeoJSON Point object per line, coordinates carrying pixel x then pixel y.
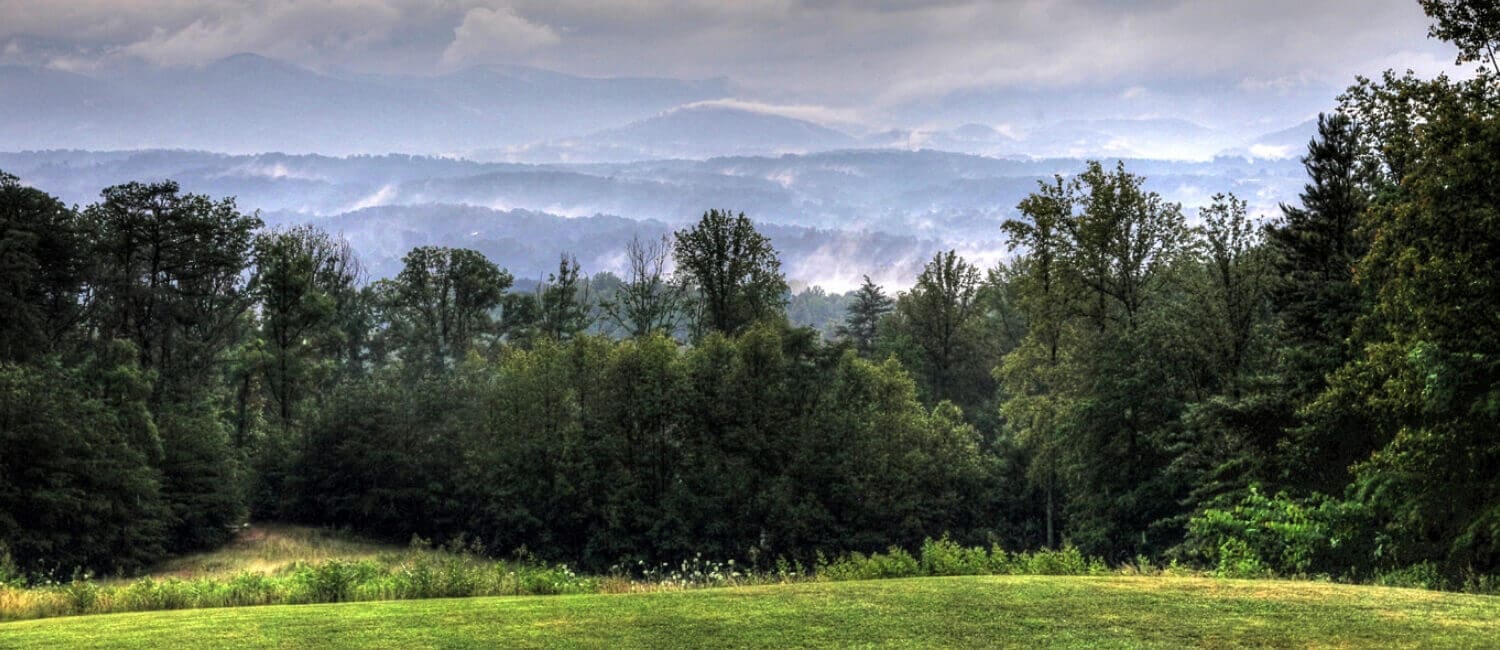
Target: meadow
{"type": "Point", "coordinates": [290, 586]}
{"type": "Point", "coordinates": [964, 611]}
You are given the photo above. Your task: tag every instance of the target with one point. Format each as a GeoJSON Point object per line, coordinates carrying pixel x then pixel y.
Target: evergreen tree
{"type": "Point", "coordinates": [1314, 252]}
{"type": "Point", "coordinates": [44, 265]}
{"type": "Point", "coordinates": [860, 326]}
{"type": "Point", "coordinates": [564, 302]}
{"type": "Point", "coordinates": [78, 485]}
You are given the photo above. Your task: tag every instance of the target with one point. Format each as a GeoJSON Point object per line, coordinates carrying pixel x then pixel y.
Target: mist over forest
{"type": "Point", "coordinates": [363, 301]}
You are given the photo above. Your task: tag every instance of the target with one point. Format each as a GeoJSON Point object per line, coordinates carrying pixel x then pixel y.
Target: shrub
{"type": "Point", "coordinates": [946, 558]}
{"type": "Point", "coordinates": [1283, 535]}
{"type": "Point", "coordinates": [1068, 561]}
{"type": "Point", "coordinates": [1238, 560]}
{"type": "Point", "coordinates": [894, 563]}
{"type": "Point", "coordinates": [1418, 576]}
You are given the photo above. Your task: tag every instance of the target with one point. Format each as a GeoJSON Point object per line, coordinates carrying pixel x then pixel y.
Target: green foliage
{"type": "Point", "coordinates": [733, 271]}
{"type": "Point", "coordinates": [1278, 535]}
{"type": "Point", "coordinates": [1093, 391]}
{"type": "Point", "coordinates": [944, 557]}
{"type": "Point", "coordinates": [564, 302]}
{"type": "Point", "coordinates": [1472, 25]}
{"type": "Point", "coordinates": [77, 490]}
{"type": "Point", "coordinates": [440, 305]}
{"type": "Point", "coordinates": [940, 314]}
{"type": "Point", "coordinates": [1424, 575]}
{"type": "Point", "coordinates": [1426, 377]}
{"type": "Point", "coordinates": [869, 306]}
{"type": "Point", "coordinates": [43, 268]}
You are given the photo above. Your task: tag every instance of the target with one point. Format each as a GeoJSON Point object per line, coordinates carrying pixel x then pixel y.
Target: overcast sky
{"type": "Point", "coordinates": [841, 54]}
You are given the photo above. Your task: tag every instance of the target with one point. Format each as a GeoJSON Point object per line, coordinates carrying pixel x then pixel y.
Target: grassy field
{"type": "Point", "coordinates": [269, 548]}
{"type": "Point", "coordinates": [977, 611]}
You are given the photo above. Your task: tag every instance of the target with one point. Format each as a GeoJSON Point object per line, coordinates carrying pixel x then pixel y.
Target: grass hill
{"type": "Point", "coordinates": [1103, 608]}
{"type": "Point", "coordinates": [974, 611]}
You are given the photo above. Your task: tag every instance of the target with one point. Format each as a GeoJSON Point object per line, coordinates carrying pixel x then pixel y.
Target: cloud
{"type": "Point", "coordinates": [806, 112]}
{"type": "Point", "coordinates": [844, 54]}
{"type": "Point", "coordinates": [486, 34]}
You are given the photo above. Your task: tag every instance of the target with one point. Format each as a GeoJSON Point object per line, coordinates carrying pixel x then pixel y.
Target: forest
{"type": "Point", "coordinates": [1316, 393]}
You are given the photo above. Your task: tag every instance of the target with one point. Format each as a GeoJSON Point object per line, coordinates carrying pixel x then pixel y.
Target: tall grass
{"type": "Point", "coordinates": [265, 570]}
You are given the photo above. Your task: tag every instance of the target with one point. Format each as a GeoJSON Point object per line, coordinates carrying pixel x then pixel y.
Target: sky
{"type": "Point", "coordinates": [826, 58]}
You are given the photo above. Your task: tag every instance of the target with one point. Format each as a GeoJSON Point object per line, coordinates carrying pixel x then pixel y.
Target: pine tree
{"type": "Point", "coordinates": [860, 327]}
{"type": "Point", "coordinates": [1314, 251]}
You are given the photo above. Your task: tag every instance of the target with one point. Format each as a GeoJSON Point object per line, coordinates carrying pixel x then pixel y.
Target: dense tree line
{"type": "Point", "coordinates": [1317, 393]}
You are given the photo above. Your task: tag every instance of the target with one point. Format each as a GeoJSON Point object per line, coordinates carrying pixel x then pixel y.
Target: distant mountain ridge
{"type": "Point", "coordinates": [695, 131]}
{"type": "Point", "coordinates": [246, 103]}
{"type": "Point", "coordinates": [838, 210]}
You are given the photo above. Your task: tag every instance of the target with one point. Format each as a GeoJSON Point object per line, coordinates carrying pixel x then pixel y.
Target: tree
{"type": "Point", "coordinates": [1472, 25]}
{"type": "Point", "coordinates": [732, 269]}
{"type": "Point", "coordinates": [440, 305]}
{"type": "Point", "coordinates": [1424, 376]}
{"type": "Point", "coordinates": [1236, 287]}
{"type": "Point", "coordinates": [563, 302]}
{"type": "Point", "coordinates": [1097, 401]}
{"type": "Point", "coordinates": [303, 277]}
{"type": "Point", "coordinates": [44, 264]}
{"type": "Point", "coordinates": [940, 314]}
{"type": "Point", "coordinates": [649, 301]}
{"type": "Point", "coordinates": [170, 278]}
{"type": "Point", "coordinates": [869, 306]}
{"type": "Point", "coordinates": [1314, 250]}
{"type": "Point", "coordinates": [78, 486]}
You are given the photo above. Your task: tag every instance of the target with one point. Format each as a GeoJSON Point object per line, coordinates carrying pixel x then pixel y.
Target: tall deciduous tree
{"type": "Point", "coordinates": [441, 303]}
{"type": "Point", "coordinates": [649, 301]}
{"type": "Point", "coordinates": [939, 313]}
{"type": "Point", "coordinates": [1472, 25]}
{"type": "Point", "coordinates": [303, 278]}
{"type": "Point", "coordinates": [733, 271]}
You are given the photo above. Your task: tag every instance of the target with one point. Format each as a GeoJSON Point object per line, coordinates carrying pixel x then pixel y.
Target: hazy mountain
{"type": "Point", "coordinates": [1286, 143]}
{"type": "Point", "coordinates": [692, 131]}
{"type": "Point", "coordinates": [247, 103]}
{"type": "Point", "coordinates": [842, 207]}
{"type": "Point", "coordinates": [1129, 138]}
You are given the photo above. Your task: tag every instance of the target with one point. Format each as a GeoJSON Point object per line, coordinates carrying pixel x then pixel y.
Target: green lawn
{"type": "Point", "coordinates": [954, 612]}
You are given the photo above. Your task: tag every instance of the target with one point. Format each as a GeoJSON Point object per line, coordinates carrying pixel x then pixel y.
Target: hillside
{"type": "Point", "coordinates": [927, 612]}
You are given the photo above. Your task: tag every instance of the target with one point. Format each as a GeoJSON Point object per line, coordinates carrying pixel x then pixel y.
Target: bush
{"type": "Point", "coordinates": [1417, 576]}
{"type": "Point", "coordinates": [894, 563]}
{"type": "Point", "coordinates": [946, 558]}
{"type": "Point", "coordinates": [1238, 560]}
{"type": "Point", "coordinates": [1283, 536]}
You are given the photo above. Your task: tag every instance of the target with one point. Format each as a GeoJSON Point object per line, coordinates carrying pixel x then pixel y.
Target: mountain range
{"type": "Point", "coordinates": [248, 103]}
{"type": "Point", "coordinates": [835, 215]}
